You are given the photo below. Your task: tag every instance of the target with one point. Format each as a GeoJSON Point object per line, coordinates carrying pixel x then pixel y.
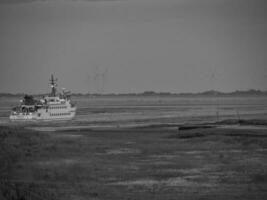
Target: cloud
{"type": "Point", "coordinates": [31, 1]}
{"type": "Point", "coordinates": [16, 1]}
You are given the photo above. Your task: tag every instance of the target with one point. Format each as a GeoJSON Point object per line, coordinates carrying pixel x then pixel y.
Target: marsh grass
{"type": "Point", "coordinates": [136, 163]}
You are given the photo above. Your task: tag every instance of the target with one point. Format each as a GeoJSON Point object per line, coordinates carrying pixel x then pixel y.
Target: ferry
{"type": "Point", "coordinates": [55, 106]}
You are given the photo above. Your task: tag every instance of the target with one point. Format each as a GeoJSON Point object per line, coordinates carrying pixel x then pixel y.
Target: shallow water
{"type": "Point", "coordinates": [126, 111]}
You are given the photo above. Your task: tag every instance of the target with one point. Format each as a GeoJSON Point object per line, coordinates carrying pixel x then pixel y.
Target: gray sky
{"type": "Point", "coordinates": [160, 45]}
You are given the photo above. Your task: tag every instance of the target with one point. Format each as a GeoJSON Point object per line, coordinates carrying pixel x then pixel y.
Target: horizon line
{"type": "Point", "coordinates": [151, 92]}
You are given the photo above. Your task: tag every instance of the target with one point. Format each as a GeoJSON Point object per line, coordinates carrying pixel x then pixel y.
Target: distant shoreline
{"type": "Point", "coordinates": [211, 93]}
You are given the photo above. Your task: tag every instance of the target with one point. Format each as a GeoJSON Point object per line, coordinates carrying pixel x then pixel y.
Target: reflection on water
{"type": "Point", "coordinates": [145, 110]}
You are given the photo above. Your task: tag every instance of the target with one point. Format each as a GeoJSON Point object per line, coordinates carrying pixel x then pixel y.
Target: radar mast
{"type": "Point", "coordinates": [53, 86]}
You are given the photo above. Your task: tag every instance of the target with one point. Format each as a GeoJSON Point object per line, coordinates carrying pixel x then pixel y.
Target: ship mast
{"type": "Point", "coordinates": [53, 86]}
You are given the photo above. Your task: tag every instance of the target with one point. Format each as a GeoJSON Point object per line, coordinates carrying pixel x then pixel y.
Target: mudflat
{"type": "Point", "coordinates": [153, 162]}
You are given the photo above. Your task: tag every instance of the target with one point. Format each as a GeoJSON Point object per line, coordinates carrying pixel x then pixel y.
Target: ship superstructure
{"type": "Point", "coordinates": [51, 107]}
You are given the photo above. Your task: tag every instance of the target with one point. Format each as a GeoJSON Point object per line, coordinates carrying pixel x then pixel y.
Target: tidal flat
{"type": "Point", "coordinates": [149, 162]}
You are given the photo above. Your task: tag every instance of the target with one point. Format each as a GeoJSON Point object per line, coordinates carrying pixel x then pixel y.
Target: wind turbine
{"type": "Point", "coordinates": [100, 79]}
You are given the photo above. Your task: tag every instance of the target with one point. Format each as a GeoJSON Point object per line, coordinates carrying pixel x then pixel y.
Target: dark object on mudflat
{"type": "Point", "coordinates": [242, 122]}
{"type": "Point", "coordinates": [190, 134]}
{"type": "Point", "coordinates": [190, 127]}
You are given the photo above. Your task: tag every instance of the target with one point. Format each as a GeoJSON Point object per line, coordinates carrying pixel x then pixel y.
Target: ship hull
{"type": "Point", "coordinates": [43, 115]}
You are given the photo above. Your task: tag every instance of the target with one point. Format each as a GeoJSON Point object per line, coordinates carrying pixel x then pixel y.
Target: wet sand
{"type": "Point", "coordinates": [150, 162]}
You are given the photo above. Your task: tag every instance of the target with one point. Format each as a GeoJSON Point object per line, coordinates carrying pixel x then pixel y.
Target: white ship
{"type": "Point", "coordinates": [52, 107]}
